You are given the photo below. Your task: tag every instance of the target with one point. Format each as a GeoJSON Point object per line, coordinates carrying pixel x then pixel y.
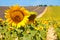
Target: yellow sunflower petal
{"type": "Point", "coordinates": [13, 24]}
{"type": "Point", "coordinates": [23, 22]}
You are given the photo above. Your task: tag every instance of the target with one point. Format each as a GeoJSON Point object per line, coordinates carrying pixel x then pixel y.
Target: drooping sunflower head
{"type": "Point", "coordinates": [32, 17]}
{"type": "Point", "coordinates": [17, 15]}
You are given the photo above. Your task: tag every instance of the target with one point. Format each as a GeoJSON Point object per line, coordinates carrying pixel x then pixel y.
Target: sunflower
{"type": "Point", "coordinates": [32, 17]}
{"type": "Point", "coordinates": [17, 15]}
{"type": "Point", "coordinates": [39, 28]}
{"type": "Point", "coordinates": [1, 20]}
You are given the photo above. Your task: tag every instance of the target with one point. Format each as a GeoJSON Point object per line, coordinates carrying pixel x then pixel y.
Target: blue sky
{"type": "Point", "coordinates": [29, 2]}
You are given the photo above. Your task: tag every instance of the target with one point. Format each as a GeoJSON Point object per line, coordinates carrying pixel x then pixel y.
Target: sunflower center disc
{"type": "Point", "coordinates": [17, 16]}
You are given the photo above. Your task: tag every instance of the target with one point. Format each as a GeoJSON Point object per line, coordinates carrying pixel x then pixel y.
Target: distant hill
{"type": "Point", "coordinates": [38, 9]}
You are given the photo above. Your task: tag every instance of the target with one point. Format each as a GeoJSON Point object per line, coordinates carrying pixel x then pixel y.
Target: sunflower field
{"type": "Point", "coordinates": [21, 24]}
